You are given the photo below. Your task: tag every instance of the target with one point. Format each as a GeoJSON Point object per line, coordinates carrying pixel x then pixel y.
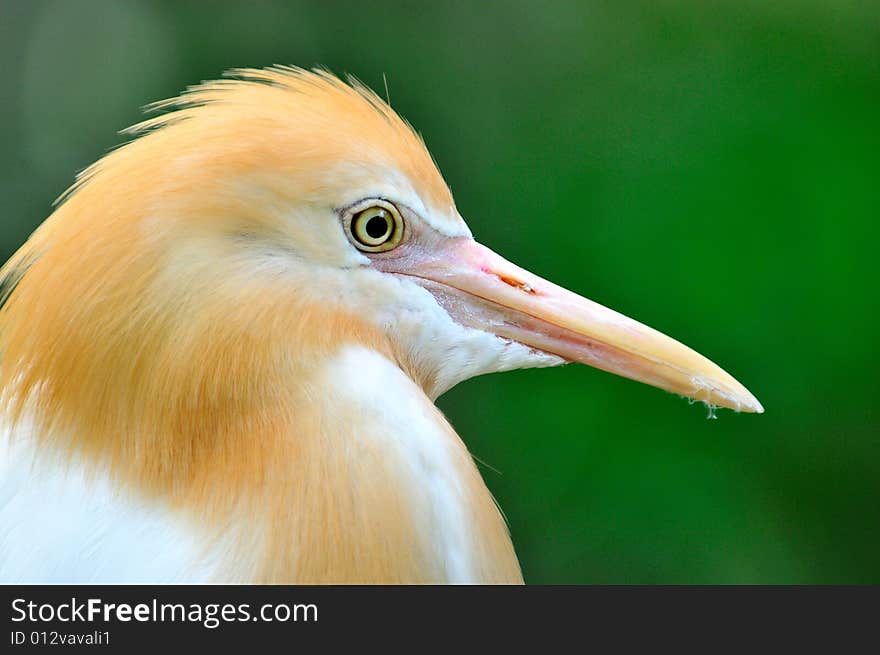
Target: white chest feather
{"type": "Point", "coordinates": [59, 524]}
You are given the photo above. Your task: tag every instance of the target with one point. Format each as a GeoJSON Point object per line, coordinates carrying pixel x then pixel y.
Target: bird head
{"type": "Point", "coordinates": [262, 221]}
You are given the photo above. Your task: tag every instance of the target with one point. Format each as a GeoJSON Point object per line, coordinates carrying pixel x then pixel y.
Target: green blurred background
{"type": "Point", "coordinates": [710, 168]}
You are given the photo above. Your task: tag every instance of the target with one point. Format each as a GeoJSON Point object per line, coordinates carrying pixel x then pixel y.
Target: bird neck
{"type": "Point", "coordinates": [328, 465]}
{"type": "Point", "coordinates": [383, 488]}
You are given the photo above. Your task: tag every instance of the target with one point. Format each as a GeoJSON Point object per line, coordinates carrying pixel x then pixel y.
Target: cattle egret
{"type": "Point", "coordinates": [220, 353]}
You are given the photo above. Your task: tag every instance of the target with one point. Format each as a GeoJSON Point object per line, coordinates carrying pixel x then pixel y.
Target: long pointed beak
{"type": "Point", "coordinates": [483, 290]}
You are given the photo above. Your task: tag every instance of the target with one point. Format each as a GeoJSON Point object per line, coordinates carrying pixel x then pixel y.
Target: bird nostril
{"type": "Point", "coordinates": [519, 284]}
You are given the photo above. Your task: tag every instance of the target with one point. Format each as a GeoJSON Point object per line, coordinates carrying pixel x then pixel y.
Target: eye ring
{"type": "Point", "coordinates": [378, 228]}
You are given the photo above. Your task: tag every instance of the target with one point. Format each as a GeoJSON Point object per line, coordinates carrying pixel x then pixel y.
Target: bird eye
{"type": "Point", "coordinates": [377, 228]}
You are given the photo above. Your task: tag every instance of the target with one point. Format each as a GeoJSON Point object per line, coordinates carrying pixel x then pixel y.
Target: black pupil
{"type": "Point", "coordinates": [377, 226]}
